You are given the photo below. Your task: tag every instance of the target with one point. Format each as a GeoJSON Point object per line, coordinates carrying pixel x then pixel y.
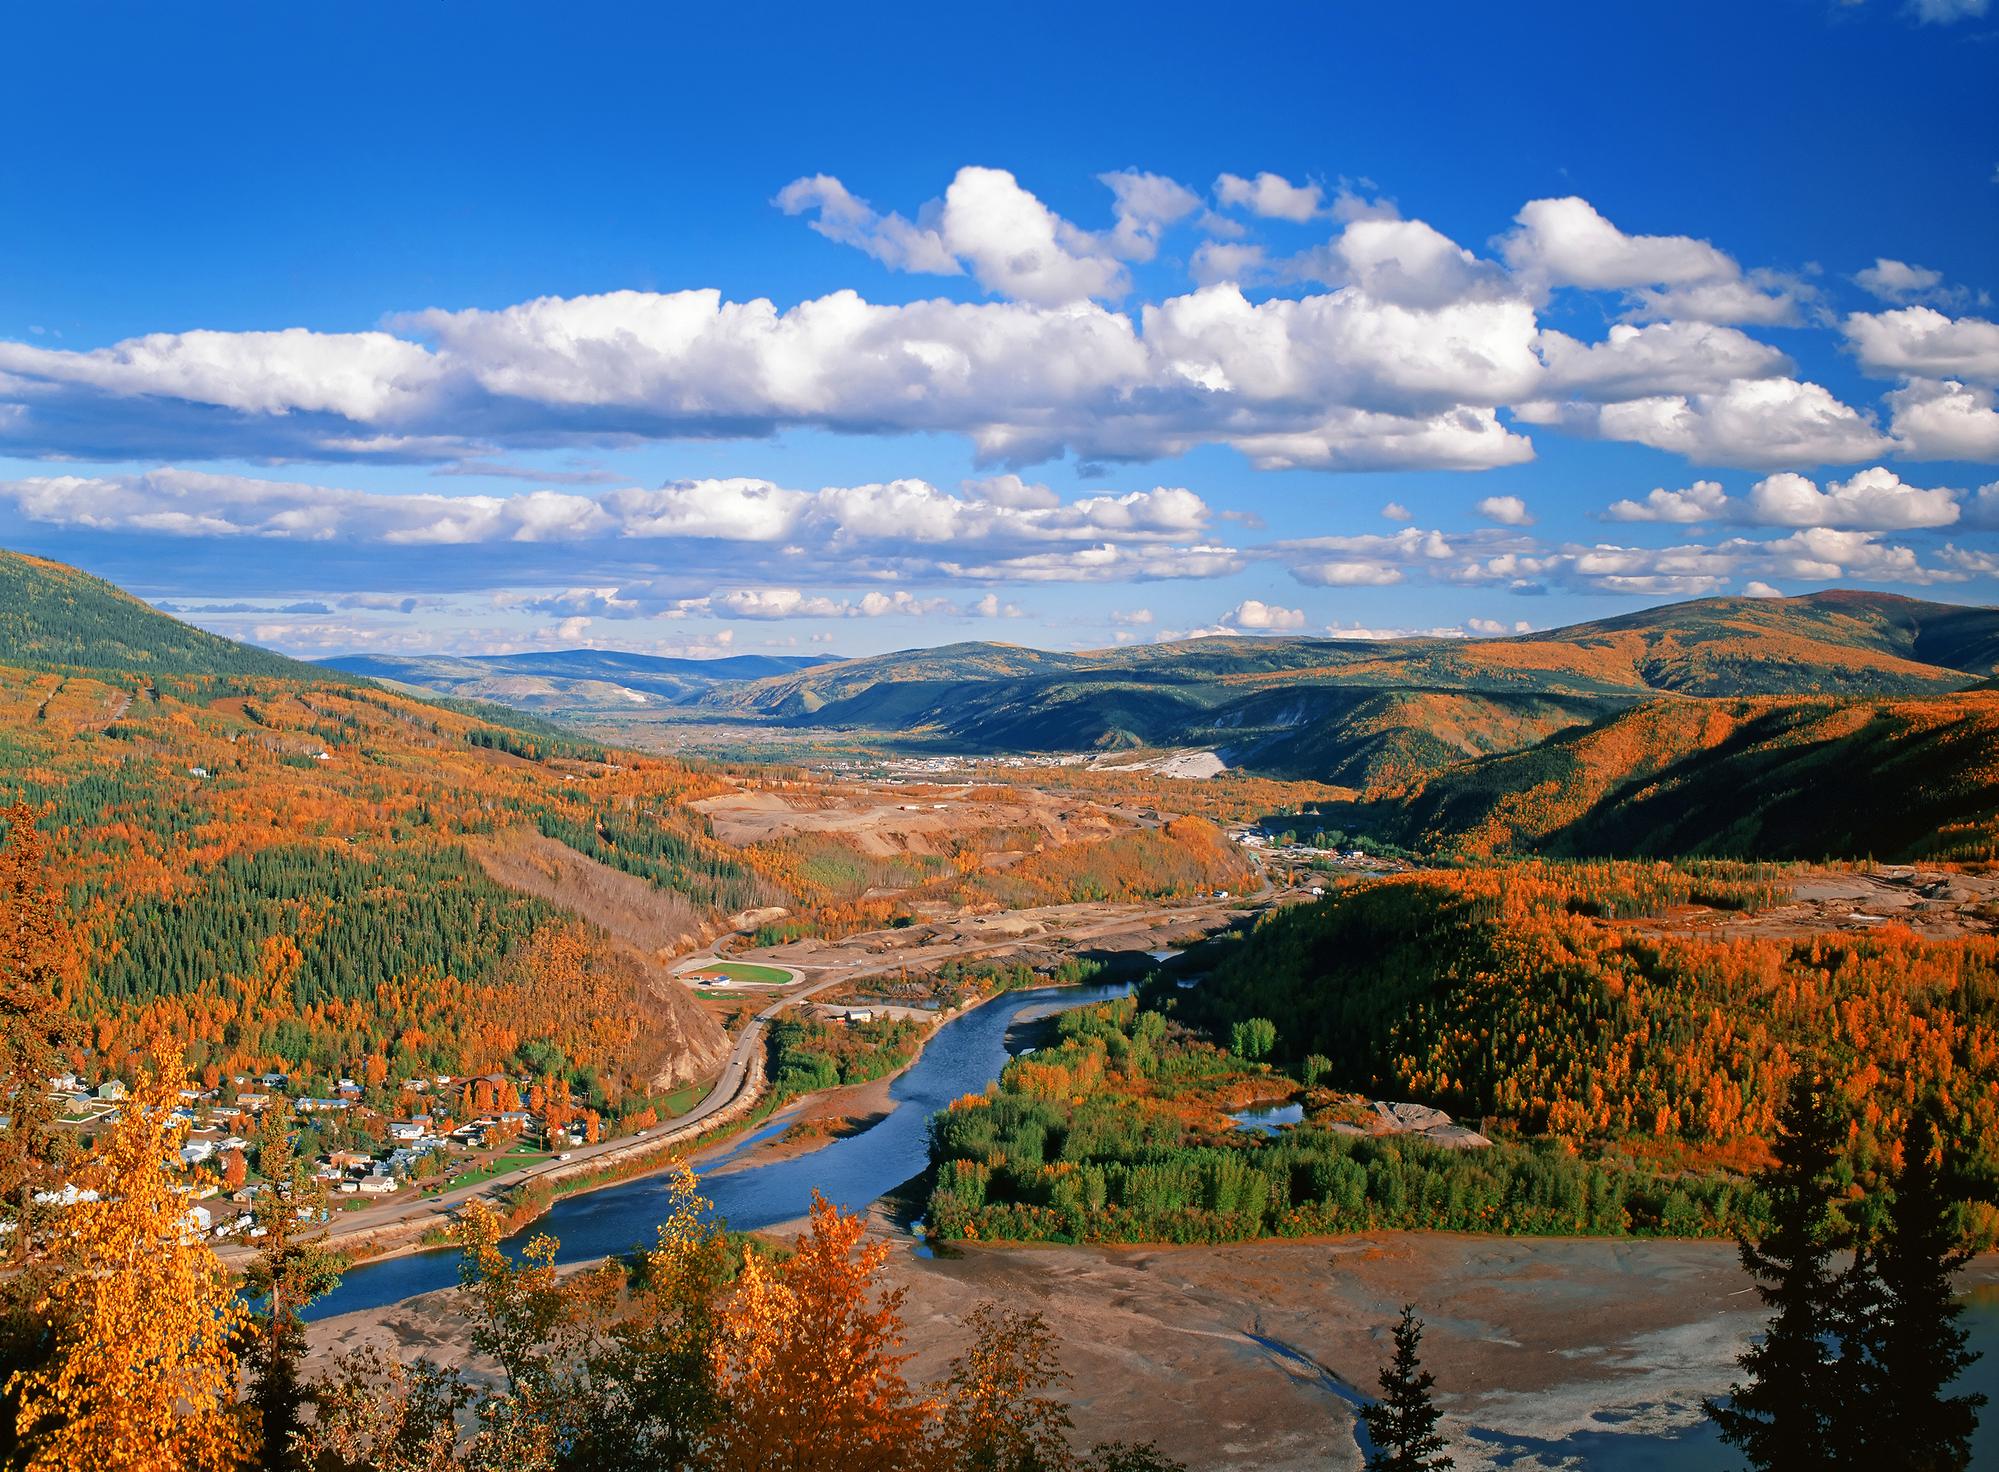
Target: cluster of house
{"type": "Point", "coordinates": [1311, 856]}
{"type": "Point", "coordinates": [209, 1115]}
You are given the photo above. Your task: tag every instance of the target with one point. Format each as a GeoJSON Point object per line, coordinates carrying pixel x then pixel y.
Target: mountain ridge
{"type": "Point", "coordinates": [1370, 712]}
{"type": "Point", "coordinates": [54, 616]}
{"type": "Point", "coordinates": [569, 679]}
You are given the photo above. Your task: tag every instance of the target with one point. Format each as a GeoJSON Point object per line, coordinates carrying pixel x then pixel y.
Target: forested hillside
{"type": "Point", "coordinates": [55, 617]}
{"type": "Point", "coordinates": [1378, 713]}
{"type": "Point", "coordinates": [272, 867]}
{"type": "Point", "coordinates": [1776, 779]}
{"type": "Point", "coordinates": [1627, 1075]}
{"type": "Point", "coordinates": [276, 874]}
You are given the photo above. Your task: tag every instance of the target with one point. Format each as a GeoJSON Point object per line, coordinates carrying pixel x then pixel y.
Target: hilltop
{"type": "Point", "coordinates": [1375, 713]}
{"type": "Point", "coordinates": [53, 616]}
{"type": "Point", "coordinates": [571, 681]}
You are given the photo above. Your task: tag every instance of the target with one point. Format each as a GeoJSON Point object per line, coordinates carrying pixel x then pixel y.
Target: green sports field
{"type": "Point", "coordinates": [743, 971]}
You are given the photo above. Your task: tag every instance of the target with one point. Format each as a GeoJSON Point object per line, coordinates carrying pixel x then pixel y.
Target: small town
{"type": "Point", "coordinates": [366, 1141]}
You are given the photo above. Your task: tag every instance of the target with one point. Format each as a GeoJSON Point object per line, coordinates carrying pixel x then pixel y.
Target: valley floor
{"type": "Point", "coordinates": [1244, 1356]}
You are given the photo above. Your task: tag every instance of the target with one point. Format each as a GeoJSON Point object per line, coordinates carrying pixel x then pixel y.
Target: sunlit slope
{"type": "Point", "coordinates": [1375, 712]}
{"type": "Point", "coordinates": [280, 866]}
{"type": "Point", "coordinates": [1770, 778]}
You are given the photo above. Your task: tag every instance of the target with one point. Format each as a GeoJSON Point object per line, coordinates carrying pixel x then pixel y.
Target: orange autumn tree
{"type": "Point", "coordinates": [37, 955]}
{"type": "Point", "coordinates": [142, 1377]}
{"type": "Point", "coordinates": [807, 1365]}
{"type": "Point", "coordinates": [37, 960]}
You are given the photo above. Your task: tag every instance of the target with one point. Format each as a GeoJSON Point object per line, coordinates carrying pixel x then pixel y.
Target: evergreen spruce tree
{"type": "Point", "coordinates": [1907, 1321]}
{"type": "Point", "coordinates": [1402, 1425]}
{"type": "Point", "coordinates": [293, 1266]}
{"type": "Point", "coordinates": [1789, 1413]}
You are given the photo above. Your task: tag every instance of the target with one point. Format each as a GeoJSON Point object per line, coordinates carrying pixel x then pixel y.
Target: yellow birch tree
{"type": "Point", "coordinates": [143, 1373]}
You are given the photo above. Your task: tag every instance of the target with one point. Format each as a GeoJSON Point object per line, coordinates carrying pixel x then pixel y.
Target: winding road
{"type": "Point", "coordinates": [830, 965]}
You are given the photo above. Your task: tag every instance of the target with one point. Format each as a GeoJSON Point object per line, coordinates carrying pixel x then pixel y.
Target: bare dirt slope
{"type": "Point", "coordinates": [680, 1041]}
{"type": "Point", "coordinates": [901, 821]}
{"type": "Point", "coordinates": [650, 920]}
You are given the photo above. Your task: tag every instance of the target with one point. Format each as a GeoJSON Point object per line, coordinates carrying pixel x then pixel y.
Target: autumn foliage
{"type": "Point", "coordinates": [142, 1369]}
{"type": "Point", "coordinates": [704, 1356]}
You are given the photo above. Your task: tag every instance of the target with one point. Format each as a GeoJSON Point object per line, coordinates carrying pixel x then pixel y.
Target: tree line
{"type": "Point", "coordinates": [1526, 995]}
{"type": "Point", "coordinates": [1111, 1135]}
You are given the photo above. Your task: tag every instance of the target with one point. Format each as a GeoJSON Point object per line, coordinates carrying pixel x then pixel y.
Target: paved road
{"type": "Point", "coordinates": [749, 1044]}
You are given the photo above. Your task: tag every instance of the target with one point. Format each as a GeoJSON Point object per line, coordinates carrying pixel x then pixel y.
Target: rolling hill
{"type": "Point", "coordinates": [1376, 713]}
{"type": "Point", "coordinates": [574, 681]}
{"type": "Point", "coordinates": [1798, 778]}
{"type": "Point", "coordinates": [288, 867]}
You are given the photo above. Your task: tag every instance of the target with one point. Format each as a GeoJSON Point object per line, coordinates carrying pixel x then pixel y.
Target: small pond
{"type": "Point", "coordinates": [1267, 1119]}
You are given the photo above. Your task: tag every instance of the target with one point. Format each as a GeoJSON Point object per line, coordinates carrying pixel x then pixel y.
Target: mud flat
{"type": "Point", "coordinates": [1550, 1353]}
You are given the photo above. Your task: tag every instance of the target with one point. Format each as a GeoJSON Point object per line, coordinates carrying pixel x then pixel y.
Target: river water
{"type": "Point", "coordinates": [963, 1056]}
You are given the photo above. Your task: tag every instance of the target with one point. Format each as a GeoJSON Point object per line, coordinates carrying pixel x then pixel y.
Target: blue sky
{"type": "Point", "coordinates": [374, 329]}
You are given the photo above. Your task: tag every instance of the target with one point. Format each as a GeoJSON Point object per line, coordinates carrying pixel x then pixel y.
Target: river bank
{"type": "Point", "coordinates": [1549, 1353]}
{"type": "Point", "coordinates": [523, 1199]}
{"type": "Point", "coordinates": [963, 1052]}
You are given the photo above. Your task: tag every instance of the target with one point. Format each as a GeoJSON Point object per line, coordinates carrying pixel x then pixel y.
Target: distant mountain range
{"type": "Point", "coordinates": [1838, 723]}
{"type": "Point", "coordinates": [1369, 713]}
{"type": "Point", "coordinates": [574, 680]}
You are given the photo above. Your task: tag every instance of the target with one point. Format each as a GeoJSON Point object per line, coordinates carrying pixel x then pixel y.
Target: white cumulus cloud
{"type": "Point", "coordinates": [1255, 614]}
{"type": "Point", "coordinates": [1565, 242]}
{"type": "Point", "coordinates": [1505, 510]}
{"type": "Point", "coordinates": [1271, 196]}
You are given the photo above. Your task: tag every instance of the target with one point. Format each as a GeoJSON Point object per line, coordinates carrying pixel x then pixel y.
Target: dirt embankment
{"type": "Point", "coordinates": [680, 1040]}
{"type": "Point", "coordinates": [1245, 1357]}
{"type": "Point", "coordinates": [915, 820]}
{"type": "Point", "coordinates": [650, 920]}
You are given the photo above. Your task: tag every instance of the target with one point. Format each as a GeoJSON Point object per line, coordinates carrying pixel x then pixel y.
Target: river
{"type": "Point", "coordinates": [963, 1056]}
